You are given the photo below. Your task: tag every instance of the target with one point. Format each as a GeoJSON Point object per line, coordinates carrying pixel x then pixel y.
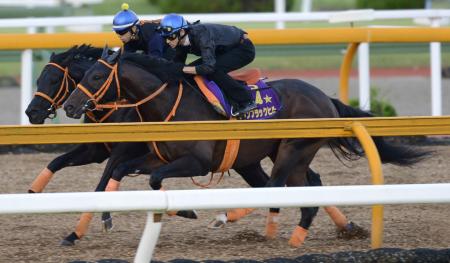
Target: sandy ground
{"type": "Point", "coordinates": [35, 238]}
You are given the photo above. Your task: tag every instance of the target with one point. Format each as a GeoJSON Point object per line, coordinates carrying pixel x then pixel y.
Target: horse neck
{"type": "Point", "coordinates": [140, 84]}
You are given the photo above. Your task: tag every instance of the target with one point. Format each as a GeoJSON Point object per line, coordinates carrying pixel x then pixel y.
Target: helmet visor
{"type": "Point", "coordinates": [122, 31]}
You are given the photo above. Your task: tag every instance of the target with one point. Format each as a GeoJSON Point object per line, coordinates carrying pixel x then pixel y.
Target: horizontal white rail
{"type": "Point", "coordinates": [222, 17]}
{"type": "Point", "coordinates": [224, 198]}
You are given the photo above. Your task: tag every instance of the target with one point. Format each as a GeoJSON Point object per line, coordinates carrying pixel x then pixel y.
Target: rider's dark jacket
{"type": "Point", "coordinates": [149, 41]}
{"type": "Point", "coordinates": [207, 41]}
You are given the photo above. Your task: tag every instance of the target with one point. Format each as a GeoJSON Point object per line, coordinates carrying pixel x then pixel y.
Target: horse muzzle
{"type": "Point", "coordinates": [72, 112]}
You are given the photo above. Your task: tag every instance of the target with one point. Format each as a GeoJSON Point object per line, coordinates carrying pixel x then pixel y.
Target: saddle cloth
{"type": "Point", "coordinates": [267, 101]}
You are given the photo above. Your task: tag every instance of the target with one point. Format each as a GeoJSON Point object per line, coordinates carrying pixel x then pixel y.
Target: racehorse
{"type": "Point", "coordinates": [157, 97]}
{"type": "Point", "coordinates": [57, 81]}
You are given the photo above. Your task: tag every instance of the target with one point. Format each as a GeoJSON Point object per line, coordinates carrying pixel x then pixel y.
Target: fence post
{"type": "Point", "coordinates": [149, 238]}
{"type": "Point", "coordinates": [373, 157]}
{"type": "Point", "coordinates": [436, 81]}
{"type": "Point", "coordinates": [280, 9]}
{"type": "Point", "coordinates": [364, 76]}
{"type": "Point", "coordinates": [26, 80]}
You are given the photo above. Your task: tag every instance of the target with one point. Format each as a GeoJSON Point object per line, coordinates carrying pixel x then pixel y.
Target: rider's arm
{"type": "Point", "coordinates": [208, 48]}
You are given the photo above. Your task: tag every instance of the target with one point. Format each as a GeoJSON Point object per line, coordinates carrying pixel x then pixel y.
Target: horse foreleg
{"type": "Point", "coordinates": [85, 219]}
{"type": "Point", "coordinates": [80, 230]}
{"type": "Point", "coordinates": [145, 164]}
{"type": "Point", "coordinates": [186, 166]}
{"type": "Point", "coordinates": [81, 155]}
{"type": "Point", "coordinates": [255, 176]}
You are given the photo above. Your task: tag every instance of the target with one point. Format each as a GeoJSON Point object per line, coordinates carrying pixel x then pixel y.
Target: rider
{"type": "Point", "coordinates": [140, 35]}
{"type": "Point", "coordinates": [222, 49]}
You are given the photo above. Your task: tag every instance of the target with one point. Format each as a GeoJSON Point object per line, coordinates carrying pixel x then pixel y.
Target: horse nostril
{"type": "Point", "coordinates": [68, 108]}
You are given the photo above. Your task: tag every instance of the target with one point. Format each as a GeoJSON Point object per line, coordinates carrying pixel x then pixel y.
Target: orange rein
{"type": "Point", "coordinates": [121, 104]}
{"type": "Point", "coordinates": [63, 91]}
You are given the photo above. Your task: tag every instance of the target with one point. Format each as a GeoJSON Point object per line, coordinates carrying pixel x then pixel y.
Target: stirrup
{"type": "Point", "coordinates": [234, 114]}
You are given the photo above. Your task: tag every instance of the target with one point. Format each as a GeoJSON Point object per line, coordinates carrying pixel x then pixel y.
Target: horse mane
{"type": "Point", "coordinates": [163, 69]}
{"type": "Point", "coordinates": [84, 52]}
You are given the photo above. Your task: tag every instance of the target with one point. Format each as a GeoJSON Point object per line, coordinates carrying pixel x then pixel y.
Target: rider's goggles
{"type": "Point", "coordinates": [122, 32]}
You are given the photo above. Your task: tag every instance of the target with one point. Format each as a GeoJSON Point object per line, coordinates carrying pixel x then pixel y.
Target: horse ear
{"type": "Point", "coordinates": [105, 52]}
{"type": "Point", "coordinates": [112, 59]}
{"type": "Point", "coordinates": [52, 55]}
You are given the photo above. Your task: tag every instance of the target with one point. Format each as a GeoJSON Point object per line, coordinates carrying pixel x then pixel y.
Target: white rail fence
{"type": "Point", "coordinates": [434, 18]}
{"type": "Point", "coordinates": [160, 201]}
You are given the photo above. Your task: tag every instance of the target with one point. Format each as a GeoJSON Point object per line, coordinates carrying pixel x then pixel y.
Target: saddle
{"type": "Point", "coordinates": [267, 101]}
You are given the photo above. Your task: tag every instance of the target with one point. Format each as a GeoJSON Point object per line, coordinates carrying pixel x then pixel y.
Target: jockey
{"type": "Point", "coordinates": [139, 35]}
{"type": "Point", "coordinates": [222, 49]}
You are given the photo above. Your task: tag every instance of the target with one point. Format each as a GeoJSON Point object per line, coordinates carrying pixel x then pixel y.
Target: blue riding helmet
{"type": "Point", "coordinates": [171, 24]}
{"type": "Point", "coordinates": [124, 20]}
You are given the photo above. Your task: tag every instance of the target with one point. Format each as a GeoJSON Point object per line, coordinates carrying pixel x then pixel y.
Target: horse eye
{"type": "Point", "coordinates": [96, 77]}
{"type": "Point", "coordinates": [53, 81]}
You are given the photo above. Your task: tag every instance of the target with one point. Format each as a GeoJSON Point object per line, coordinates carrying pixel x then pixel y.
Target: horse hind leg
{"type": "Point", "coordinates": [345, 229]}
{"type": "Point", "coordinates": [290, 168]}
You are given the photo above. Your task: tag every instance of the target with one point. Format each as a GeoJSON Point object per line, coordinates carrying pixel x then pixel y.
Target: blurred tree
{"type": "Point", "coordinates": [216, 6]}
{"type": "Point", "coordinates": [391, 4]}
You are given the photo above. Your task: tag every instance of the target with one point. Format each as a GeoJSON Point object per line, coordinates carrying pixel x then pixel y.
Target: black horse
{"type": "Point", "coordinates": [57, 81]}
{"type": "Point", "coordinates": [144, 79]}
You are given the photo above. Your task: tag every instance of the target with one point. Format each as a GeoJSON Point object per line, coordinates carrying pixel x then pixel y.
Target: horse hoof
{"type": "Point", "coordinates": [107, 225]}
{"type": "Point", "coordinates": [219, 222]}
{"type": "Point", "coordinates": [67, 243]}
{"type": "Point", "coordinates": [191, 214]}
{"type": "Point", "coordinates": [352, 231]}
{"type": "Point", "coordinates": [155, 183]}
{"type": "Point", "coordinates": [69, 240]}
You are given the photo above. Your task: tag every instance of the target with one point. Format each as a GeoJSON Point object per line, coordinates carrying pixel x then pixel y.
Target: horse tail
{"type": "Point", "coordinates": [389, 153]}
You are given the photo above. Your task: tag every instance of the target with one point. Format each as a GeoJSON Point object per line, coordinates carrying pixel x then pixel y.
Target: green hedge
{"type": "Point", "coordinates": [216, 6]}
{"type": "Point", "coordinates": [378, 107]}
{"type": "Point", "coordinates": [391, 4]}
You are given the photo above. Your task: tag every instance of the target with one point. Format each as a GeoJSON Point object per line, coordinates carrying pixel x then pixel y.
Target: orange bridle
{"type": "Point", "coordinates": [113, 76]}
{"type": "Point", "coordinates": [63, 91]}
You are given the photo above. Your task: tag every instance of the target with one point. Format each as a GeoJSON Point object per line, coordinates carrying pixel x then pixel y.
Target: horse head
{"type": "Point", "coordinates": [99, 83]}
{"type": "Point", "coordinates": [103, 81]}
{"type": "Point", "coordinates": [57, 80]}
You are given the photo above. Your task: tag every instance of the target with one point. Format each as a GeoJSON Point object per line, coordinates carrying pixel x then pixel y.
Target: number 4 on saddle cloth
{"type": "Point", "coordinates": [267, 101]}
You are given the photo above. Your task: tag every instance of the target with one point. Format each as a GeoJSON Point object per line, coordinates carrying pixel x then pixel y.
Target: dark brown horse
{"type": "Point", "coordinates": [145, 81]}
{"type": "Point", "coordinates": [56, 82]}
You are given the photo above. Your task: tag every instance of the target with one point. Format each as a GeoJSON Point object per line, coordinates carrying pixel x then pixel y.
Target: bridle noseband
{"type": "Point", "coordinates": [61, 95]}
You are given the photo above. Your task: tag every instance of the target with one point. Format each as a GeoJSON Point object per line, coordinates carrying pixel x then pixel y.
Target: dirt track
{"type": "Point", "coordinates": [35, 238]}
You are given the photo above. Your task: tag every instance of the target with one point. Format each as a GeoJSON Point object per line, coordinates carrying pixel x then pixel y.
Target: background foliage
{"type": "Point", "coordinates": [391, 4]}
{"type": "Point", "coordinates": [216, 6]}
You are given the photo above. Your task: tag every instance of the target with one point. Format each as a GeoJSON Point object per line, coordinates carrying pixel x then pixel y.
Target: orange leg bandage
{"type": "Point", "coordinates": [298, 237]}
{"type": "Point", "coordinates": [272, 225]}
{"type": "Point", "coordinates": [337, 216]}
{"type": "Point", "coordinates": [236, 214]}
{"type": "Point", "coordinates": [83, 224]}
{"type": "Point", "coordinates": [41, 181]}
{"type": "Point", "coordinates": [113, 185]}
{"type": "Point", "coordinates": [169, 213]}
